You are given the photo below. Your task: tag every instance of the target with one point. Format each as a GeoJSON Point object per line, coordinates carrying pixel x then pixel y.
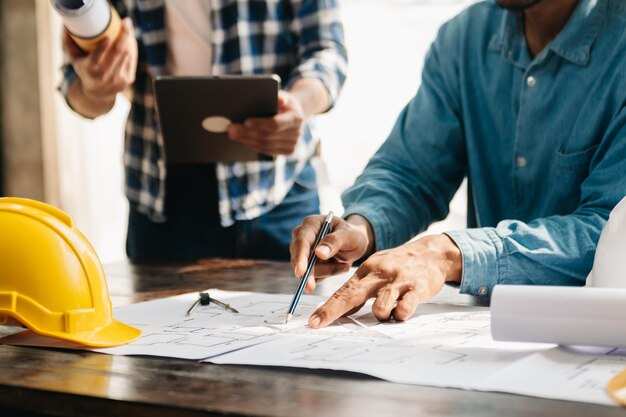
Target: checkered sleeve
{"type": "Point", "coordinates": [321, 52]}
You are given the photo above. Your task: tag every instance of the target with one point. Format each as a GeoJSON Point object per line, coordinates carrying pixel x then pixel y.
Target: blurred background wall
{"type": "Point", "coordinates": [27, 113]}
{"type": "Point", "coordinates": [52, 154]}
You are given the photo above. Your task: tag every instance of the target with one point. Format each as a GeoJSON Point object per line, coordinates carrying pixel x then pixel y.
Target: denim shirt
{"type": "Point", "coordinates": [541, 140]}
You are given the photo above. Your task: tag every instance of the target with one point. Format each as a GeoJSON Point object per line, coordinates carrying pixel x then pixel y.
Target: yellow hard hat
{"type": "Point", "coordinates": [51, 279]}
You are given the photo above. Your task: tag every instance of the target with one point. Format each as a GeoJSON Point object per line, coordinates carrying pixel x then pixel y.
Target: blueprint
{"type": "Point", "coordinates": [564, 373]}
{"type": "Point", "coordinates": [446, 346]}
{"type": "Point", "coordinates": [442, 345]}
{"type": "Point", "coordinates": [209, 330]}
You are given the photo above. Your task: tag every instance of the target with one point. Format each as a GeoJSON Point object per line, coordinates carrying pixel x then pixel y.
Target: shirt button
{"type": "Point", "coordinates": [482, 291]}
{"type": "Point", "coordinates": [531, 81]}
{"type": "Point", "coordinates": [521, 161]}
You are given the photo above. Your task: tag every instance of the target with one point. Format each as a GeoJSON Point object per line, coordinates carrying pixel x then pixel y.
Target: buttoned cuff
{"type": "Point", "coordinates": [379, 222]}
{"type": "Point", "coordinates": [482, 252]}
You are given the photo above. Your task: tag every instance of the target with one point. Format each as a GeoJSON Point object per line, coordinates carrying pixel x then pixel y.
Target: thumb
{"type": "Point", "coordinates": [323, 251]}
{"type": "Point", "coordinates": [284, 101]}
{"type": "Point", "coordinates": [332, 243]}
{"type": "Point", "coordinates": [344, 245]}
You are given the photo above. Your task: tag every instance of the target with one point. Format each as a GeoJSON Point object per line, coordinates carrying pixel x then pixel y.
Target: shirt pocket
{"type": "Point", "coordinates": [574, 163]}
{"type": "Point", "coordinates": [570, 171]}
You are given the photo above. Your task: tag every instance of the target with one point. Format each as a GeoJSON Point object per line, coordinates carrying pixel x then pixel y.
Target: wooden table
{"type": "Point", "coordinates": [37, 382]}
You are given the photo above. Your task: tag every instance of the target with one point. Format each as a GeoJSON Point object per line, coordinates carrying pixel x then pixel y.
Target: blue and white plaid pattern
{"type": "Point", "coordinates": [292, 38]}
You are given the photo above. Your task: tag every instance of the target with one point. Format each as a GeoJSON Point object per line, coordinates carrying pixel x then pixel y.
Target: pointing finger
{"type": "Point", "coordinates": [354, 293]}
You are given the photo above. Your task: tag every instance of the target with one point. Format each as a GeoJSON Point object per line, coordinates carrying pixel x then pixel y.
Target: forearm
{"type": "Point", "coordinates": [88, 105]}
{"type": "Point", "coordinates": [312, 96]}
{"type": "Point", "coordinates": [322, 55]}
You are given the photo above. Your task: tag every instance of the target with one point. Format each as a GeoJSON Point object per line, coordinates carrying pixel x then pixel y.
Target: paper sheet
{"type": "Point", "coordinates": [575, 374]}
{"type": "Point", "coordinates": [563, 315]}
{"type": "Point", "coordinates": [447, 346]}
{"type": "Point", "coordinates": [209, 330]}
{"type": "Point", "coordinates": [442, 345]}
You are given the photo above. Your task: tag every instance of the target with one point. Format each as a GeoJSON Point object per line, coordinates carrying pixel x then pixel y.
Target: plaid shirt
{"type": "Point", "coordinates": [292, 38]}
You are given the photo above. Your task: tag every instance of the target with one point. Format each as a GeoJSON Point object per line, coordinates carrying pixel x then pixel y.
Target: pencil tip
{"type": "Point", "coordinates": [288, 317]}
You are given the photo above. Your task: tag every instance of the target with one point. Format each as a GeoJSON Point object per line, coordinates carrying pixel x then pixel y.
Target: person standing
{"type": "Point", "coordinates": [224, 209]}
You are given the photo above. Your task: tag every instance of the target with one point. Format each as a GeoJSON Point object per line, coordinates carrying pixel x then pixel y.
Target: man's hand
{"type": "Point", "coordinates": [276, 135]}
{"type": "Point", "coordinates": [399, 278]}
{"type": "Point", "coordinates": [107, 70]}
{"type": "Point", "coordinates": [348, 241]}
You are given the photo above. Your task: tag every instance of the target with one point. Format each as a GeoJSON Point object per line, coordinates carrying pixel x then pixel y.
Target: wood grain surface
{"type": "Point", "coordinates": [37, 382]}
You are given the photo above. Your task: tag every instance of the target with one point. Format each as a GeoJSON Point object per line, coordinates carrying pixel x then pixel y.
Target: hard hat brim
{"type": "Point", "coordinates": [115, 333]}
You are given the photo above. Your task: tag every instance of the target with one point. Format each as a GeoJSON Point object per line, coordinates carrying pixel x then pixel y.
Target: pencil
{"type": "Point", "coordinates": [309, 268]}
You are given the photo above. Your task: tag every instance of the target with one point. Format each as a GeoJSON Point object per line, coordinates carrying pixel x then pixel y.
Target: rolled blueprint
{"type": "Point", "coordinates": [563, 315]}
{"type": "Point", "coordinates": [609, 264]}
{"type": "Point", "coordinates": [88, 21]}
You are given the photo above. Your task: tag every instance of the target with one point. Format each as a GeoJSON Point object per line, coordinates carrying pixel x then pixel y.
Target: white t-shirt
{"type": "Point", "coordinates": [188, 29]}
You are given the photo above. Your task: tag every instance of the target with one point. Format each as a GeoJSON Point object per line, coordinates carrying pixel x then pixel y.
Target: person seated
{"type": "Point", "coordinates": [527, 100]}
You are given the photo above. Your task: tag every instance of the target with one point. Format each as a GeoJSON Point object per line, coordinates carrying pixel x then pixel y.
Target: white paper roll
{"type": "Point", "coordinates": [563, 315]}
{"type": "Point", "coordinates": [88, 21]}
{"type": "Point", "coordinates": [609, 265]}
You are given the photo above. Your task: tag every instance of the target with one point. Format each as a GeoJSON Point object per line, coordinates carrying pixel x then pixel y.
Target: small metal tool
{"type": "Point", "coordinates": [205, 299]}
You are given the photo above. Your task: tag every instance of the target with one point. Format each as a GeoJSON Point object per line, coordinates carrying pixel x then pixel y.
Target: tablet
{"type": "Point", "coordinates": [195, 112]}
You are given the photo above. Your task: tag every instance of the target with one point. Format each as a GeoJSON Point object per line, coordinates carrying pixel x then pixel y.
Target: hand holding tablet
{"type": "Point", "coordinates": [195, 112]}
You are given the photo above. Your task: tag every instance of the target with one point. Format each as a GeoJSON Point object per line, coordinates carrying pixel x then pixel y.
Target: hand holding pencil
{"type": "Point", "coordinates": [322, 254]}
{"type": "Point", "coordinates": [309, 268]}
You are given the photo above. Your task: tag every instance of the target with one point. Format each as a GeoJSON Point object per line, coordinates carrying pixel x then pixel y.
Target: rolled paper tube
{"type": "Point", "coordinates": [562, 315]}
{"type": "Point", "coordinates": [89, 21]}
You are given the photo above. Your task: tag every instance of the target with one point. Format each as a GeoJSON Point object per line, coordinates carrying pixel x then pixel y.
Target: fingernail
{"type": "Point", "coordinates": [323, 251]}
{"type": "Point", "coordinates": [314, 321]}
